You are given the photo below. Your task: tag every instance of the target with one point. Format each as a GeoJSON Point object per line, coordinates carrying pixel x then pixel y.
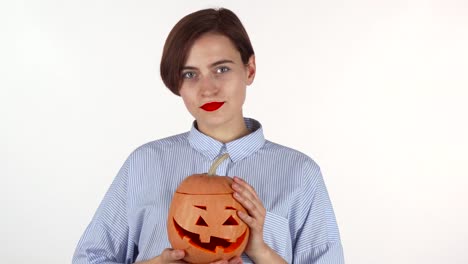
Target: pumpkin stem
{"type": "Point", "coordinates": [217, 162]}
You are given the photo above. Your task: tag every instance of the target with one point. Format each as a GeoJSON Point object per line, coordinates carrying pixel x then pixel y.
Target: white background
{"type": "Point", "coordinates": [374, 91]}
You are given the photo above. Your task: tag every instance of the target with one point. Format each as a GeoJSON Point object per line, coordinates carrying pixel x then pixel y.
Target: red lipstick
{"type": "Point", "coordinates": [212, 106]}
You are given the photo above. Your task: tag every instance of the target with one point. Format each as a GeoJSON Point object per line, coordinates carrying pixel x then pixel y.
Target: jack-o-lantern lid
{"type": "Point", "coordinates": [205, 184]}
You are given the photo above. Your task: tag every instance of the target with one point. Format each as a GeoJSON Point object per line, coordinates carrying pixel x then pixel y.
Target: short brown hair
{"type": "Point", "coordinates": [191, 27]}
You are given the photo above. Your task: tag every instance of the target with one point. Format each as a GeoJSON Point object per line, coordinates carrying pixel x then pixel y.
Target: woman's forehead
{"type": "Point", "coordinates": [211, 48]}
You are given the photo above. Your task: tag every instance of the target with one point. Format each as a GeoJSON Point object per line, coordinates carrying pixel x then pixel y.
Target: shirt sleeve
{"type": "Point", "coordinates": [318, 239]}
{"type": "Point", "coordinates": [106, 237]}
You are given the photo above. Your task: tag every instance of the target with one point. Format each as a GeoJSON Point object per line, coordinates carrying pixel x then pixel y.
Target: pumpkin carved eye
{"type": "Point", "coordinates": [231, 221]}
{"type": "Point", "coordinates": [201, 222]}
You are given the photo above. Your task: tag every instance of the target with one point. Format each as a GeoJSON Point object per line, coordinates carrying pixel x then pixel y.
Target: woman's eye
{"type": "Point", "coordinates": [188, 75]}
{"type": "Point", "coordinates": [222, 69]}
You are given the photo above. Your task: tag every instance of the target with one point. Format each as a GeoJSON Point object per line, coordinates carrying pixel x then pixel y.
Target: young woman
{"type": "Point", "coordinates": [209, 61]}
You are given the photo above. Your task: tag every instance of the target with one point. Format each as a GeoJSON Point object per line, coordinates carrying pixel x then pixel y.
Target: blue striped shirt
{"type": "Point", "coordinates": [130, 223]}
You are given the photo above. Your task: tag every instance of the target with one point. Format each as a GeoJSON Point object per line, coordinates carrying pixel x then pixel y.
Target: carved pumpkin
{"type": "Point", "coordinates": [203, 218]}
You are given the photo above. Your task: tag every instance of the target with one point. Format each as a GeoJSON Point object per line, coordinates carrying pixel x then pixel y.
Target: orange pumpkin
{"type": "Point", "coordinates": [203, 218]}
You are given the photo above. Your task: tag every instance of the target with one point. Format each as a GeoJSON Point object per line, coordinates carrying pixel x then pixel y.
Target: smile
{"type": "Point", "coordinates": [215, 244]}
{"type": "Point", "coordinates": [213, 106]}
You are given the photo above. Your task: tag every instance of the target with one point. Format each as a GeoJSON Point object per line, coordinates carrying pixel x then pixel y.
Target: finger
{"type": "Point", "coordinates": [247, 193]}
{"type": "Point", "coordinates": [220, 262]}
{"type": "Point", "coordinates": [169, 255]}
{"type": "Point", "coordinates": [245, 201]}
{"type": "Point", "coordinates": [257, 211]}
{"type": "Point", "coordinates": [252, 204]}
{"type": "Point", "coordinates": [235, 260]}
{"type": "Point", "coordinates": [248, 220]}
{"type": "Point", "coordinates": [245, 185]}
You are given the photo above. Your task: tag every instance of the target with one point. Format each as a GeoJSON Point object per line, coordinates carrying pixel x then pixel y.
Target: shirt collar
{"type": "Point", "coordinates": [237, 149]}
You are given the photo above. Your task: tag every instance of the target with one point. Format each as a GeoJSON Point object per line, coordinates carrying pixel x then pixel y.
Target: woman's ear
{"type": "Point", "coordinates": [251, 69]}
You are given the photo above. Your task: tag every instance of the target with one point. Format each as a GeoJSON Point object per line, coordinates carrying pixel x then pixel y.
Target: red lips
{"type": "Point", "coordinates": [212, 106]}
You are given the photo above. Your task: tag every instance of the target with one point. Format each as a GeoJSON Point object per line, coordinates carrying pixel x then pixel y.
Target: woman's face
{"type": "Point", "coordinates": [214, 81]}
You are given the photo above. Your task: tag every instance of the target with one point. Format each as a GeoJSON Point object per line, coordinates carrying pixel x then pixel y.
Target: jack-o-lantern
{"type": "Point", "coordinates": [203, 218]}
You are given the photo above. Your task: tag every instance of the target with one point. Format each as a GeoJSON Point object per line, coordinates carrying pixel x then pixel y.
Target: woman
{"type": "Point", "coordinates": [209, 61]}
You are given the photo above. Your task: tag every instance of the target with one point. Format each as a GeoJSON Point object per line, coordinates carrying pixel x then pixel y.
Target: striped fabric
{"type": "Point", "coordinates": [130, 223]}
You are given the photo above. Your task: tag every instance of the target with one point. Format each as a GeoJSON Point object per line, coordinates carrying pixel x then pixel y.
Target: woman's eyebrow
{"type": "Point", "coordinates": [189, 68]}
{"type": "Point", "coordinates": [214, 64]}
{"type": "Point", "coordinates": [221, 62]}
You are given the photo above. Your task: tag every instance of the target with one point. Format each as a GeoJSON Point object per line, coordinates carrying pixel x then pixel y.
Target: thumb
{"type": "Point", "coordinates": [170, 254]}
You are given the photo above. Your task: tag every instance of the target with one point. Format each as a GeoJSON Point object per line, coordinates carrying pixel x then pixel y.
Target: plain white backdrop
{"type": "Point", "coordinates": [374, 91]}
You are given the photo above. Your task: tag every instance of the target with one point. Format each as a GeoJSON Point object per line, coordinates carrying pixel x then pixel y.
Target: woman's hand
{"type": "Point", "coordinates": [255, 219]}
{"type": "Point", "coordinates": [256, 248]}
{"type": "Point", "coordinates": [168, 256]}
{"type": "Point", "coordinates": [175, 256]}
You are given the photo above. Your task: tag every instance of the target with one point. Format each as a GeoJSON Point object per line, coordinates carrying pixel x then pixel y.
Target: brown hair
{"type": "Point", "coordinates": [188, 29]}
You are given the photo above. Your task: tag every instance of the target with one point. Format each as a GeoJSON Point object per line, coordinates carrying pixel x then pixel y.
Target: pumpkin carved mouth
{"type": "Point", "coordinates": [215, 244]}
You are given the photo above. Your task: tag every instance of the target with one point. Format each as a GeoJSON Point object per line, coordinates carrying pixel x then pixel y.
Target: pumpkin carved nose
{"type": "Point", "coordinates": [231, 221]}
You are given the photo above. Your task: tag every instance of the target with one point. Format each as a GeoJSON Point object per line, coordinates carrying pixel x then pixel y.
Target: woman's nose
{"type": "Point", "coordinates": [208, 85]}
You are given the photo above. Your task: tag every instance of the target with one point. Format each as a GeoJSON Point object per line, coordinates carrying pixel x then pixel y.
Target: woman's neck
{"type": "Point", "coordinates": [225, 133]}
